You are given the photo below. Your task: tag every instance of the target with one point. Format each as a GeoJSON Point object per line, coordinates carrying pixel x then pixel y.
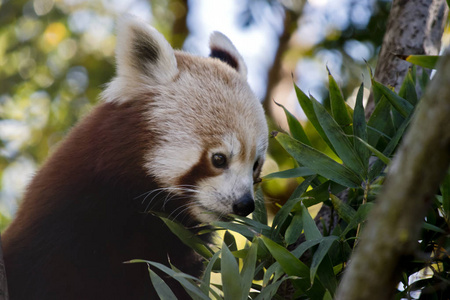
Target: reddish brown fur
{"type": "Point", "coordinates": [82, 217]}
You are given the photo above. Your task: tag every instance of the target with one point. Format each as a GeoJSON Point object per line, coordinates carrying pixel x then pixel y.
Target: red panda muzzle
{"type": "Point", "coordinates": [244, 206]}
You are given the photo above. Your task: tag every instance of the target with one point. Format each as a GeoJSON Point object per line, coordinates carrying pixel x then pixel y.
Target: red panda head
{"type": "Point", "coordinates": [209, 131]}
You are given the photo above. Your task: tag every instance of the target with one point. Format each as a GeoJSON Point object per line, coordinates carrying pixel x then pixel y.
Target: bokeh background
{"type": "Point", "coordinates": [56, 56]}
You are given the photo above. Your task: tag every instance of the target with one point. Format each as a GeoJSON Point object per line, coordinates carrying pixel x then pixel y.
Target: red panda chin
{"type": "Point", "coordinates": [149, 146]}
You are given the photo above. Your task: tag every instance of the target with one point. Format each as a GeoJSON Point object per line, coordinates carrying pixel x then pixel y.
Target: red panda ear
{"type": "Point", "coordinates": [222, 48]}
{"type": "Point", "coordinates": [143, 53]}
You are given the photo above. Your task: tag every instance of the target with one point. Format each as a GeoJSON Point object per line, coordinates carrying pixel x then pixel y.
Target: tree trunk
{"type": "Point", "coordinates": [414, 27]}
{"type": "Point", "coordinates": [394, 225]}
{"type": "Point", "coordinates": [3, 282]}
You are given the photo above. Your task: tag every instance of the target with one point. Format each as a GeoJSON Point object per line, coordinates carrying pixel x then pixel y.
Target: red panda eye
{"type": "Point", "coordinates": [219, 160]}
{"type": "Point", "coordinates": [255, 166]}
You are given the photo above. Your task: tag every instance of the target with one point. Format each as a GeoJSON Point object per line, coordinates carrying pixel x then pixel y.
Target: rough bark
{"type": "Point", "coordinates": [414, 27]}
{"type": "Point", "coordinates": [3, 282]}
{"type": "Point", "coordinates": [393, 227]}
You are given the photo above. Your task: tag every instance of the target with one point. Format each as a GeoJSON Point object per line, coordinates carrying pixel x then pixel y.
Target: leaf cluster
{"type": "Point", "coordinates": [304, 257]}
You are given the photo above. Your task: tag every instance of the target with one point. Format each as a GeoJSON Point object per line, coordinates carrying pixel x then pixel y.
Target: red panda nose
{"type": "Point", "coordinates": [244, 206]}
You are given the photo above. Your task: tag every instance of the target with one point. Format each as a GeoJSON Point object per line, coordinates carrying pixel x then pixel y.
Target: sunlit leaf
{"type": "Point", "coordinates": [291, 173]}
{"type": "Point", "coordinates": [295, 127]}
{"type": "Point", "coordinates": [425, 61]}
{"type": "Point", "coordinates": [230, 272]}
{"type": "Point", "coordinates": [319, 162]}
{"type": "Point", "coordinates": [248, 270]}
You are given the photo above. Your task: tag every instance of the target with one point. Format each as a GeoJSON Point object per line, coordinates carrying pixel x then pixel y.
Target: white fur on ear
{"type": "Point", "coordinates": [222, 48]}
{"type": "Point", "coordinates": [143, 51]}
{"type": "Point", "coordinates": [144, 59]}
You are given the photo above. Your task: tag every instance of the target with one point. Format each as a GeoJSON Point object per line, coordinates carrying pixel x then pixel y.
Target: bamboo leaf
{"type": "Point", "coordinates": [401, 105]}
{"type": "Point", "coordinates": [360, 216]}
{"type": "Point", "coordinates": [162, 289]}
{"type": "Point", "coordinates": [408, 88]}
{"type": "Point", "coordinates": [284, 211]}
{"type": "Point", "coordinates": [380, 155]}
{"type": "Point", "coordinates": [206, 280]}
{"type": "Point", "coordinates": [445, 191]}
{"type": "Point", "coordinates": [248, 270]}
{"type": "Point", "coordinates": [338, 139]}
{"type": "Point", "coordinates": [193, 290]}
{"type": "Point", "coordinates": [379, 120]}
{"type": "Point", "coordinates": [319, 256]}
{"type": "Point", "coordinates": [291, 173]}
{"type": "Point", "coordinates": [425, 61]}
{"type": "Point", "coordinates": [294, 229]}
{"type": "Point", "coordinates": [230, 273]}
{"type": "Point", "coordinates": [391, 146]}
{"type": "Point", "coordinates": [338, 105]}
{"type": "Point", "coordinates": [288, 262]}
{"type": "Point", "coordinates": [260, 212]}
{"type": "Point", "coordinates": [295, 127]}
{"type": "Point", "coordinates": [345, 211]}
{"type": "Point", "coordinates": [309, 226]}
{"type": "Point", "coordinates": [360, 128]}
{"type": "Point", "coordinates": [188, 238]}
{"type": "Point", "coordinates": [308, 109]}
{"type": "Point", "coordinates": [319, 162]}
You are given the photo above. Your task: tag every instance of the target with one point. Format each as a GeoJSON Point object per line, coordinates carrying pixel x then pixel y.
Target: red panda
{"type": "Point", "coordinates": [175, 133]}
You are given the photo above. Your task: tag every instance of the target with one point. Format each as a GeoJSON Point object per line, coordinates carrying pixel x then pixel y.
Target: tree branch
{"type": "Point", "coordinates": [414, 27]}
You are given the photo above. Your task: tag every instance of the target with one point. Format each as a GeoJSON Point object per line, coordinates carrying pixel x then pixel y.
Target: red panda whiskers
{"type": "Point", "coordinates": [150, 147]}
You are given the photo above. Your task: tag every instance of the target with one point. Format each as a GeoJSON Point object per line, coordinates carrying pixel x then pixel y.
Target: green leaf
{"type": "Point", "coordinates": [345, 211]}
{"type": "Point", "coordinates": [425, 61]}
{"type": "Point", "coordinates": [408, 88]}
{"type": "Point", "coordinates": [295, 127]}
{"type": "Point", "coordinates": [391, 146]}
{"type": "Point", "coordinates": [193, 290]}
{"type": "Point", "coordinates": [318, 256]}
{"type": "Point", "coordinates": [188, 238]}
{"type": "Point", "coordinates": [248, 270]}
{"type": "Point", "coordinates": [338, 139]}
{"type": "Point", "coordinates": [401, 105]}
{"type": "Point", "coordinates": [270, 290]}
{"type": "Point", "coordinates": [230, 241]}
{"type": "Point", "coordinates": [308, 109]}
{"type": "Point", "coordinates": [291, 173]}
{"type": "Point", "coordinates": [432, 227]}
{"type": "Point", "coordinates": [360, 128]}
{"type": "Point", "coordinates": [380, 155]}
{"type": "Point", "coordinates": [162, 289]}
{"type": "Point", "coordinates": [360, 216]}
{"type": "Point", "coordinates": [288, 262]}
{"type": "Point", "coordinates": [231, 284]}
{"type": "Point", "coordinates": [379, 120]}
{"type": "Point", "coordinates": [319, 162]}
{"type": "Point", "coordinates": [309, 226]}
{"type": "Point", "coordinates": [294, 229]}
{"type": "Point", "coordinates": [206, 280]}
{"type": "Point", "coordinates": [297, 252]}
{"type": "Point", "coordinates": [284, 211]}
{"type": "Point", "coordinates": [445, 191]}
{"type": "Point", "coordinates": [239, 228]}
{"type": "Point", "coordinates": [260, 213]}
{"type": "Point", "coordinates": [338, 105]}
